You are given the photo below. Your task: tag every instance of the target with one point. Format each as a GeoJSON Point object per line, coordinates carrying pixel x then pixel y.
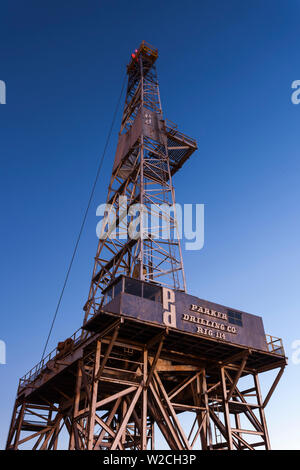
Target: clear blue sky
{"type": "Point", "coordinates": [225, 70]}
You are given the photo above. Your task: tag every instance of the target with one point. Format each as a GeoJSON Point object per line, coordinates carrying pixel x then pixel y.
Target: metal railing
{"type": "Point", "coordinates": [171, 127]}
{"type": "Point", "coordinates": [31, 375]}
{"type": "Point", "coordinates": [275, 345]}
{"type": "Point", "coordinates": [148, 48]}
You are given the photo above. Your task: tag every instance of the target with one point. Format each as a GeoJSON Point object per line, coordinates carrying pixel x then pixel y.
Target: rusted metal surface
{"type": "Point", "coordinates": [150, 150]}
{"type": "Point", "coordinates": [149, 355]}
{"type": "Point", "coordinates": [114, 390]}
{"type": "Point", "coordinates": [251, 332]}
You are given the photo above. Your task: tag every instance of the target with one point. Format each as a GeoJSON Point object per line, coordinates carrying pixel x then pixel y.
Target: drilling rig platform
{"type": "Point", "coordinates": [151, 363]}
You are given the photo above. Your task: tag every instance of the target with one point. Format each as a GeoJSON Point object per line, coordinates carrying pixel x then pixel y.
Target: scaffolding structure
{"type": "Point", "coordinates": [125, 382]}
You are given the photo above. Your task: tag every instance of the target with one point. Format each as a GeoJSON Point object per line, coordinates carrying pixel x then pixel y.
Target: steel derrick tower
{"type": "Point", "coordinates": [149, 356]}
{"type": "Point", "coordinates": [150, 150]}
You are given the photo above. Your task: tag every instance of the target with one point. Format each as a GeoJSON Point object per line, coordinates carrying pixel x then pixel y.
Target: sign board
{"type": "Point", "coordinates": [192, 314]}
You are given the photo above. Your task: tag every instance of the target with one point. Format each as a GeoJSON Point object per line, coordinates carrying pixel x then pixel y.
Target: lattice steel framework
{"type": "Point", "coordinates": [112, 386]}
{"type": "Point", "coordinates": [150, 150]}
{"type": "Point", "coordinates": [110, 392]}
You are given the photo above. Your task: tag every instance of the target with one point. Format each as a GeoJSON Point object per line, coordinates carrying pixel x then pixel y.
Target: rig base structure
{"type": "Point", "coordinates": [145, 370]}
{"type": "Point", "coordinates": [128, 379]}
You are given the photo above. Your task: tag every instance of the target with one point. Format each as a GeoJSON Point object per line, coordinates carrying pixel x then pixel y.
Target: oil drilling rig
{"type": "Point", "coordinates": [151, 363]}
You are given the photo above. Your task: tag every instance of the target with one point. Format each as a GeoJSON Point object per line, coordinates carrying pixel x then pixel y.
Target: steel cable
{"type": "Point", "coordinates": [85, 216]}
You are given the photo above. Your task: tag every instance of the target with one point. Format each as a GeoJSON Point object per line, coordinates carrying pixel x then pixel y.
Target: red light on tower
{"type": "Point", "coordinates": [134, 55]}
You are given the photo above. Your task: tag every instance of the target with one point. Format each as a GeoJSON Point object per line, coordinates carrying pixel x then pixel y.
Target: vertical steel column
{"type": "Point", "coordinates": [145, 401]}
{"type": "Point", "coordinates": [226, 409]}
{"type": "Point", "coordinates": [94, 391]}
{"type": "Point", "coordinates": [262, 412]}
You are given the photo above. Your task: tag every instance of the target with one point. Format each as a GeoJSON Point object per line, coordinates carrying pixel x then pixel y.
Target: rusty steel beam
{"type": "Point", "coordinates": [111, 418]}
{"type": "Point", "coordinates": [113, 387]}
